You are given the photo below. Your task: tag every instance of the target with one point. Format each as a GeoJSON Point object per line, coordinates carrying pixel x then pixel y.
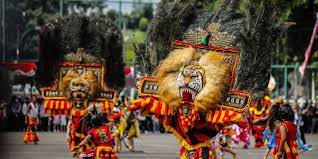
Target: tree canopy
{"type": "Point", "coordinates": [22, 18]}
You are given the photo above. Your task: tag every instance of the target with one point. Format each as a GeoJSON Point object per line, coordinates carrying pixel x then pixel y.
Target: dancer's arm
{"type": "Point", "coordinates": [150, 106]}
{"type": "Point", "coordinates": [223, 118]}
{"type": "Point", "coordinates": [87, 138]}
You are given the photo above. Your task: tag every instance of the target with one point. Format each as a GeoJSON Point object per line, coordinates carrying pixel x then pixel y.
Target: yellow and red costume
{"type": "Point", "coordinates": [201, 64]}
{"type": "Point", "coordinates": [31, 131]}
{"type": "Point", "coordinates": [82, 57]}
{"type": "Point", "coordinates": [259, 113]}
{"type": "Point", "coordinates": [290, 149]}
{"type": "Point", "coordinates": [102, 140]}
{"type": "Point", "coordinates": [126, 123]}
{"type": "Point", "coordinates": [193, 132]}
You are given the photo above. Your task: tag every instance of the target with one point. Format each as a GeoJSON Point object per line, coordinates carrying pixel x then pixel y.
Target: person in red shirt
{"type": "Point", "coordinates": [100, 135]}
{"type": "Point", "coordinates": [285, 145]}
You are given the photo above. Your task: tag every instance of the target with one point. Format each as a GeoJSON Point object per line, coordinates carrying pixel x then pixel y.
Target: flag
{"type": "Point", "coordinates": [308, 50]}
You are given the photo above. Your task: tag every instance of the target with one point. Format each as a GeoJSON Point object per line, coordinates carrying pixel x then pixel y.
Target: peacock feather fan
{"type": "Point", "coordinates": [231, 25]}
{"type": "Point", "coordinates": [98, 36]}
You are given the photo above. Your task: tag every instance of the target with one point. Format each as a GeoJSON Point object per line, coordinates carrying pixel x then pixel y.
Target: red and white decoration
{"type": "Point", "coordinates": [21, 68]}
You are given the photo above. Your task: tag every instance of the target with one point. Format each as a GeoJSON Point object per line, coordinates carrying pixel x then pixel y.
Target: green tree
{"type": "Point", "coordinates": [131, 38]}
{"type": "Point", "coordinates": [112, 14]}
{"type": "Point", "coordinates": [141, 11]}
{"type": "Point", "coordinates": [143, 23]}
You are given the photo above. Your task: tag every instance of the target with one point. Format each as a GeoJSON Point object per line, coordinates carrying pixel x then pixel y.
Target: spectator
{"type": "Point", "coordinates": [51, 125]}
{"type": "Point", "coordinates": [149, 123]}
{"type": "Point", "coordinates": [63, 123]}
{"type": "Point", "coordinates": [44, 118]}
{"type": "Point", "coordinates": [314, 118]}
{"type": "Point", "coordinates": [301, 140]}
{"type": "Point", "coordinates": [15, 110]}
{"type": "Point", "coordinates": [56, 123]}
{"type": "Point", "coordinates": [305, 107]}
{"type": "Point", "coordinates": [26, 101]}
{"type": "Point", "coordinates": [142, 123]}
{"type": "Point", "coordinates": [156, 126]}
{"type": "Point", "coordinates": [3, 116]}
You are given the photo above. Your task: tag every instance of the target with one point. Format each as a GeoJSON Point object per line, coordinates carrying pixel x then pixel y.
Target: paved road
{"type": "Point", "coordinates": [158, 146]}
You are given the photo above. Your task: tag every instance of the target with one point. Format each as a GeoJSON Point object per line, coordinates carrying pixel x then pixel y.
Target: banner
{"type": "Point", "coordinates": [308, 50]}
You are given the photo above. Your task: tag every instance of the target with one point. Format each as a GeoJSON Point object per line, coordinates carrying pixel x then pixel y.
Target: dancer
{"type": "Point", "coordinates": [100, 135]}
{"type": "Point", "coordinates": [242, 134]}
{"type": "Point", "coordinates": [126, 126]}
{"type": "Point", "coordinates": [83, 55]}
{"type": "Point", "coordinates": [259, 114]}
{"type": "Point", "coordinates": [225, 142]}
{"type": "Point", "coordinates": [269, 137]}
{"type": "Point", "coordinates": [200, 80]}
{"type": "Point", "coordinates": [285, 145]}
{"type": "Point", "coordinates": [32, 122]}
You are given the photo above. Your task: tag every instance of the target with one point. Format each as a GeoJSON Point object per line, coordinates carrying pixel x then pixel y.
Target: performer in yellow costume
{"type": "Point", "coordinates": [31, 131]}
{"type": "Point", "coordinates": [127, 126]}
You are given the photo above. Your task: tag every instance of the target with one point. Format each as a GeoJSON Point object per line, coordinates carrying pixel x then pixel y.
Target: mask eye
{"type": "Point", "coordinates": [194, 74]}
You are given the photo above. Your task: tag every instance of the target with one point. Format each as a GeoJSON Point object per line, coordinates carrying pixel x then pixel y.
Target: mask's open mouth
{"type": "Point", "coordinates": [187, 94]}
{"type": "Point", "coordinates": [78, 104]}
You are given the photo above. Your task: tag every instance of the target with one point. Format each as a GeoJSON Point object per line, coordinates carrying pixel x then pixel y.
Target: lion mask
{"type": "Point", "coordinates": [187, 76]}
{"type": "Point", "coordinates": [80, 85]}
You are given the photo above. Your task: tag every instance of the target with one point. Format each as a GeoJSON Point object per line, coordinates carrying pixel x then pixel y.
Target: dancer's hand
{"type": "Point", "coordinates": [278, 155]}
{"type": "Point", "coordinates": [76, 148]}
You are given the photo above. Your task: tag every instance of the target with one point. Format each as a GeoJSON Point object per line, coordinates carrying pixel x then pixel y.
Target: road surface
{"type": "Point", "coordinates": [151, 146]}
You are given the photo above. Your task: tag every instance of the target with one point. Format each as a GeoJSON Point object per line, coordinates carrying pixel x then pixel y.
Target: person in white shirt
{"type": "Point", "coordinates": [33, 107]}
{"type": "Point", "coordinates": [63, 122]}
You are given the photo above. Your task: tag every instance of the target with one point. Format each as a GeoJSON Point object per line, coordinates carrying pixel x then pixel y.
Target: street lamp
{"type": "Point", "coordinates": [3, 31]}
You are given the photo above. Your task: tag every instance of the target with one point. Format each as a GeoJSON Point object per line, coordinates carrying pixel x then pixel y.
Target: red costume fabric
{"type": "Point", "coordinates": [31, 133]}
{"type": "Point", "coordinates": [290, 150]}
{"type": "Point", "coordinates": [102, 140]}
{"type": "Point", "coordinates": [242, 135]}
{"type": "Point", "coordinates": [78, 130]}
{"type": "Point", "coordinates": [194, 131]}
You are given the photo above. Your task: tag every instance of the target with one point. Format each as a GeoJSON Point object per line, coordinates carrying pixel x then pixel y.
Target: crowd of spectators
{"type": "Point", "coordinates": [309, 114]}
{"type": "Point", "coordinates": [13, 116]}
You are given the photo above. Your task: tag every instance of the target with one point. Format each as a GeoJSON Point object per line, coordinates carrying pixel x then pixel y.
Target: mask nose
{"type": "Point", "coordinates": [187, 80]}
